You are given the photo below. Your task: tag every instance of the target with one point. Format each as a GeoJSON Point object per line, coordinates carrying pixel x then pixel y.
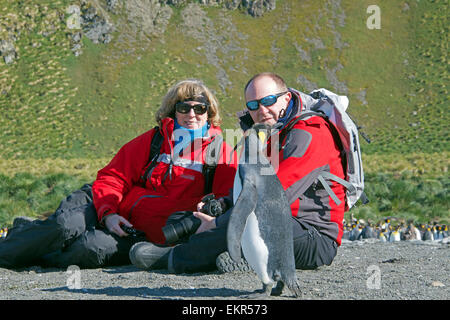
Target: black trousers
{"type": "Point", "coordinates": [70, 236]}
{"type": "Point", "coordinates": [311, 248]}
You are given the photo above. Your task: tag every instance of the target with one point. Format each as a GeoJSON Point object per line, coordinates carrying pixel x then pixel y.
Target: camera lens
{"type": "Point", "coordinates": [176, 231]}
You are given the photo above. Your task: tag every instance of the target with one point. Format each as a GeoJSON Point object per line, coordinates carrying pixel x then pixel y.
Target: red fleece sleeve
{"type": "Point", "coordinates": [117, 178]}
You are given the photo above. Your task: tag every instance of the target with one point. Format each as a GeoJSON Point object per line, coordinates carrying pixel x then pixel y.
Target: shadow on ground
{"type": "Point", "coordinates": [162, 292]}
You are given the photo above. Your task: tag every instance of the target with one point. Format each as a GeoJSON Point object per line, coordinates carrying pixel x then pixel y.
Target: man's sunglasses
{"type": "Point", "coordinates": [183, 107]}
{"type": "Point", "coordinates": [266, 101]}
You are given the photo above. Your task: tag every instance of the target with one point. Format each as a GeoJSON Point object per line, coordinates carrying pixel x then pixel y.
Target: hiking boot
{"type": "Point", "coordinates": [148, 256]}
{"type": "Point", "coordinates": [22, 220]}
{"type": "Point", "coordinates": [225, 264]}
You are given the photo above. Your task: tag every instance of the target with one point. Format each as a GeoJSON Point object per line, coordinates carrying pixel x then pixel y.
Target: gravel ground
{"type": "Point", "coordinates": [361, 270]}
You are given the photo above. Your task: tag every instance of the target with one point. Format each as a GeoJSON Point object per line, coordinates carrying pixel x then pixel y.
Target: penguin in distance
{"type": "Point", "coordinates": [260, 222]}
{"type": "Point", "coordinates": [394, 235]}
{"type": "Point", "coordinates": [428, 235]}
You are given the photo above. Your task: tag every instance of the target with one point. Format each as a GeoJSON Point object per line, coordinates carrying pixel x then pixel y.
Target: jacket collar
{"type": "Point", "coordinates": [168, 124]}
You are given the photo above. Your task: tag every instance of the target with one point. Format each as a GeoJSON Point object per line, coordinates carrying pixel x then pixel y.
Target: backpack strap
{"type": "Point", "coordinates": [304, 115]}
{"type": "Point", "coordinates": [327, 175]}
{"type": "Point", "coordinates": [155, 149]}
{"type": "Point", "coordinates": [213, 151]}
{"type": "Point", "coordinates": [350, 188]}
{"type": "Point", "coordinates": [328, 189]}
{"type": "Point", "coordinates": [324, 174]}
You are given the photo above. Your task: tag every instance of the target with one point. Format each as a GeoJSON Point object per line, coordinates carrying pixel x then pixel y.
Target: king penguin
{"type": "Point", "coordinates": [394, 235]}
{"type": "Point", "coordinates": [428, 235]}
{"type": "Point", "coordinates": [367, 232]}
{"type": "Point", "coordinates": [260, 221]}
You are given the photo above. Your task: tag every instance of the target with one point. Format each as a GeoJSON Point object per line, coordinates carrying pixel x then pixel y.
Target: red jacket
{"type": "Point", "coordinates": [169, 188]}
{"type": "Point", "coordinates": [307, 149]}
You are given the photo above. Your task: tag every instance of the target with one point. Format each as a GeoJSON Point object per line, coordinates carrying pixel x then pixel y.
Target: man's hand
{"type": "Point", "coordinates": [208, 222]}
{"type": "Point", "coordinates": [113, 222]}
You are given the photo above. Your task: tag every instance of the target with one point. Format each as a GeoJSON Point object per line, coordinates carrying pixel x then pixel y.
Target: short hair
{"type": "Point", "coordinates": [281, 84]}
{"type": "Point", "coordinates": [183, 91]}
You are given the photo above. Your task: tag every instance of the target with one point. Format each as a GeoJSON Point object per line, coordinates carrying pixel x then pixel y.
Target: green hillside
{"type": "Point", "coordinates": [58, 105]}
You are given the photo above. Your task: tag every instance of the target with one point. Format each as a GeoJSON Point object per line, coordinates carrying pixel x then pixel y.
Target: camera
{"type": "Point", "coordinates": [212, 206]}
{"type": "Point", "coordinates": [182, 224]}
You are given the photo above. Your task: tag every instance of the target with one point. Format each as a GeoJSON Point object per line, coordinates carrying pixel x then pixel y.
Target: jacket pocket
{"type": "Point", "coordinates": [139, 200]}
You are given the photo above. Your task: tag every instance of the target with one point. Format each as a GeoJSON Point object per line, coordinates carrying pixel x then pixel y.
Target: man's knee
{"type": "Point", "coordinates": [313, 249]}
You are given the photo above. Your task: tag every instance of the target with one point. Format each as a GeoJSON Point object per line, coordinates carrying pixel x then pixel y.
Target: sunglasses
{"type": "Point", "coordinates": [183, 107]}
{"type": "Point", "coordinates": [266, 101]}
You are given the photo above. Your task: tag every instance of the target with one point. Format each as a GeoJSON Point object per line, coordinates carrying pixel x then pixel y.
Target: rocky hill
{"type": "Point", "coordinates": [78, 78]}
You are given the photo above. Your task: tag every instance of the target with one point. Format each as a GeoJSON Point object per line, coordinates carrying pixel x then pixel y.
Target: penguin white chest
{"type": "Point", "coordinates": [417, 234]}
{"type": "Point", "coordinates": [254, 249]}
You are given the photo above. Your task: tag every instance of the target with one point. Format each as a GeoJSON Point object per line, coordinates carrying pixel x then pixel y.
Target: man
{"type": "Point", "coordinates": [307, 149]}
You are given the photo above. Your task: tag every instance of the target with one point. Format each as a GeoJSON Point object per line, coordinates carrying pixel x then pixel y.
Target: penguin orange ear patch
{"type": "Point", "coordinates": [262, 136]}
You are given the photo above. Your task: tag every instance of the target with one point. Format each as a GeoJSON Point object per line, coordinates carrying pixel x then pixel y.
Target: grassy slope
{"type": "Point", "coordinates": [88, 106]}
{"type": "Point", "coordinates": [79, 108]}
{"type": "Point", "coordinates": [410, 187]}
{"type": "Point", "coordinates": [36, 115]}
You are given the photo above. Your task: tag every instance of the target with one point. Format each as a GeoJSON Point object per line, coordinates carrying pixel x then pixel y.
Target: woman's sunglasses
{"type": "Point", "coordinates": [266, 101]}
{"type": "Point", "coordinates": [183, 107]}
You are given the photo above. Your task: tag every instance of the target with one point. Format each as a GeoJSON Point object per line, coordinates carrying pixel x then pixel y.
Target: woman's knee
{"type": "Point", "coordinates": [71, 222]}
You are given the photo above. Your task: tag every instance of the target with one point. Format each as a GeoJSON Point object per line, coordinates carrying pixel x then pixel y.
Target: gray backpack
{"type": "Point", "coordinates": [332, 108]}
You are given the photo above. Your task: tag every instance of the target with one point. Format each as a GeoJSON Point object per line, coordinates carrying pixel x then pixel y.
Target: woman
{"type": "Point", "coordinates": [86, 229]}
{"type": "Point", "coordinates": [188, 121]}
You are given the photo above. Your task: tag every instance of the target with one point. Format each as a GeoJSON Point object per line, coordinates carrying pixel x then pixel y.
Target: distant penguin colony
{"type": "Point", "coordinates": [394, 236]}
{"type": "Point", "coordinates": [393, 230]}
{"type": "Point", "coordinates": [260, 221]}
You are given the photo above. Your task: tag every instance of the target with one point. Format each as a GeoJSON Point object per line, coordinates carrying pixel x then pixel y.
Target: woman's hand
{"type": "Point", "coordinates": [208, 222]}
{"type": "Point", "coordinates": [113, 222]}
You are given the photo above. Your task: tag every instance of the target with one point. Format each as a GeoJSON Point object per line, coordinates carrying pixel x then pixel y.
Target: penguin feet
{"type": "Point", "coordinates": [278, 289]}
{"type": "Point", "coordinates": [294, 287]}
{"type": "Point", "coordinates": [260, 294]}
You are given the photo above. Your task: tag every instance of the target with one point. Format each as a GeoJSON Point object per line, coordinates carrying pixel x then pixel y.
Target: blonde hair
{"type": "Point", "coordinates": [186, 90]}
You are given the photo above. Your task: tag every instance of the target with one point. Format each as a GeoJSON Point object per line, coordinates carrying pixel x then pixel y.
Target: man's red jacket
{"type": "Point", "coordinates": [176, 183]}
{"type": "Point", "coordinates": [306, 150]}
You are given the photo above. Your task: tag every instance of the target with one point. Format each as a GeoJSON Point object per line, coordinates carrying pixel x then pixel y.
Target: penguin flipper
{"type": "Point", "coordinates": [245, 204]}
